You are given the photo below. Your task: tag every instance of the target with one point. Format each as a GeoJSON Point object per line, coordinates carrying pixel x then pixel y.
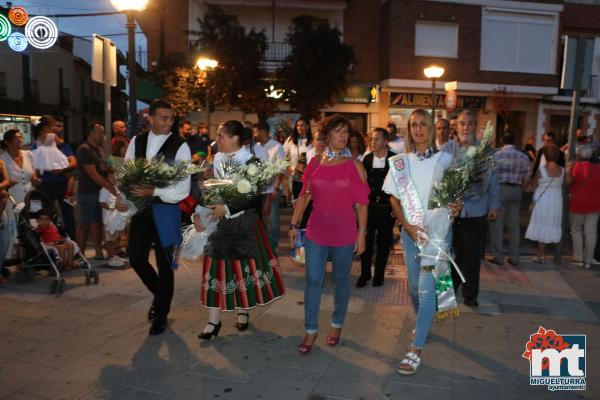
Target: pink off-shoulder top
{"type": "Point", "coordinates": [335, 189]}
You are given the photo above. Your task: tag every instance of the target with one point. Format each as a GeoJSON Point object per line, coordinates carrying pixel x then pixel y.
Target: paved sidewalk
{"type": "Point", "coordinates": [92, 343]}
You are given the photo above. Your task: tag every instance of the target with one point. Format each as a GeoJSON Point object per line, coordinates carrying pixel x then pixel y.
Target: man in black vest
{"type": "Point", "coordinates": [380, 223]}
{"type": "Point", "coordinates": [158, 223]}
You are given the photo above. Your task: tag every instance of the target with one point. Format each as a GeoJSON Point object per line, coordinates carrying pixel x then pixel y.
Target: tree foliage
{"type": "Point", "coordinates": [239, 79]}
{"type": "Point", "coordinates": [184, 84]}
{"type": "Point", "coordinates": [316, 70]}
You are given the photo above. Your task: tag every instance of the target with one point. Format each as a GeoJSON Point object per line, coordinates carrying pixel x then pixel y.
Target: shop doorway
{"type": "Point", "coordinates": [513, 121]}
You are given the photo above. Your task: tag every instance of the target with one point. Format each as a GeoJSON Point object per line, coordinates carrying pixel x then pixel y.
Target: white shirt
{"type": "Point", "coordinates": [398, 145]}
{"type": "Point", "coordinates": [173, 193]}
{"type": "Point", "coordinates": [259, 152]}
{"type": "Point", "coordinates": [274, 152]}
{"type": "Point", "coordinates": [242, 156]}
{"type": "Point", "coordinates": [21, 175]}
{"type": "Point", "coordinates": [293, 151]}
{"type": "Point", "coordinates": [424, 174]}
{"type": "Point", "coordinates": [273, 148]}
{"type": "Point", "coordinates": [378, 162]}
{"type": "Point", "coordinates": [111, 200]}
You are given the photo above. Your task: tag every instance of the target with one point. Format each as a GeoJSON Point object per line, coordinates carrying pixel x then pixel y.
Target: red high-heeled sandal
{"type": "Point", "coordinates": [333, 341]}
{"type": "Point", "coordinates": [304, 348]}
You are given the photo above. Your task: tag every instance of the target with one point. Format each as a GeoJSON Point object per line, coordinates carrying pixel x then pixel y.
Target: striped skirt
{"type": "Point", "coordinates": [230, 284]}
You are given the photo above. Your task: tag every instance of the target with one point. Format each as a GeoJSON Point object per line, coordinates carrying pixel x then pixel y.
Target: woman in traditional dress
{"type": "Point", "coordinates": [240, 271]}
{"type": "Point", "coordinates": [337, 185]}
{"type": "Point", "coordinates": [409, 181]}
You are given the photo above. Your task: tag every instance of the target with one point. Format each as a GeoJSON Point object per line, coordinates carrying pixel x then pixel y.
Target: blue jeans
{"type": "Point", "coordinates": [274, 222]}
{"type": "Point", "coordinates": [316, 260]}
{"type": "Point", "coordinates": [422, 291]}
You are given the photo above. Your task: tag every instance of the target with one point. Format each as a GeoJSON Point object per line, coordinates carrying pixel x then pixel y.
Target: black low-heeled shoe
{"type": "Point", "coordinates": [214, 332]}
{"type": "Point", "coordinates": [158, 326]}
{"type": "Point", "coordinates": [242, 327]}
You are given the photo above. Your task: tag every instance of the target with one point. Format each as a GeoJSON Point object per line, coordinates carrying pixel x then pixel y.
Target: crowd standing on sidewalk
{"type": "Point", "coordinates": [346, 203]}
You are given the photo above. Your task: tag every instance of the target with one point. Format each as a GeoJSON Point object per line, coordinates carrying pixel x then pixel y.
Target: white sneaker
{"type": "Point", "coordinates": [595, 262]}
{"type": "Point", "coordinates": [115, 262]}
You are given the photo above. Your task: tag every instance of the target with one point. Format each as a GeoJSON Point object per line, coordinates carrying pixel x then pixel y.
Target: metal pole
{"type": "Point", "coordinates": [132, 67]}
{"type": "Point", "coordinates": [207, 105]}
{"type": "Point", "coordinates": [107, 99]}
{"type": "Point", "coordinates": [433, 100]}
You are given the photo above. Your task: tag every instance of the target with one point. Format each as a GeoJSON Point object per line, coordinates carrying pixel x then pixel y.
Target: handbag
{"type": "Point", "coordinates": [534, 202]}
{"type": "Point", "coordinates": [298, 253]}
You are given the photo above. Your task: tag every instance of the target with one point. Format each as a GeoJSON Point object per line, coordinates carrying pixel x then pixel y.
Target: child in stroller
{"type": "Point", "coordinates": [52, 239]}
{"type": "Point", "coordinates": [36, 252]}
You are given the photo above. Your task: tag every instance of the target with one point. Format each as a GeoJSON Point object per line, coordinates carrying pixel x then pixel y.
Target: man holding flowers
{"type": "Point", "coordinates": [158, 222]}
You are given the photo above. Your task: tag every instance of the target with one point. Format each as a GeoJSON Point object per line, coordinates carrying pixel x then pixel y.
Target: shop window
{"type": "Point", "coordinates": [519, 42]}
{"type": "Point", "coordinates": [435, 39]}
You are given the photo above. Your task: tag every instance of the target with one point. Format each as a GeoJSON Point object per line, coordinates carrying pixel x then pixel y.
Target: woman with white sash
{"type": "Point", "coordinates": [409, 181]}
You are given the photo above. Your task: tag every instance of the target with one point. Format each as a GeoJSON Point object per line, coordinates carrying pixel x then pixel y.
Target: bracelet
{"type": "Point", "coordinates": [294, 226]}
{"type": "Point", "coordinates": [362, 230]}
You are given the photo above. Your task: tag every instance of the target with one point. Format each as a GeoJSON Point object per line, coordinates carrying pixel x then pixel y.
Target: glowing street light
{"type": "Point", "coordinates": [129, 7]}
{"type": "Point", "coordinates": [206, 64]}
{"type": "Point", "coordinates": [433, 72]}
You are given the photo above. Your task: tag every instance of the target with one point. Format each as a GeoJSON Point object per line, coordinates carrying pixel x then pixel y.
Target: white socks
{"type": "Point", "coordinates": [214, 316]}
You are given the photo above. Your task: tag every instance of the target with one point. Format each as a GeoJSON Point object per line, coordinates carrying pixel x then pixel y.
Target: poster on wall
{"type": "Point", "coordinates": [20, 122]}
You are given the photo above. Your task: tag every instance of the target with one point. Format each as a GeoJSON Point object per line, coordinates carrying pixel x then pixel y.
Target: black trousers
{"type": "Point", "coordinates": [142, 234]}
{"type": "Point", "coordinates": [380, 227]}
{"type": "Point", "coordinates": [469, 237]}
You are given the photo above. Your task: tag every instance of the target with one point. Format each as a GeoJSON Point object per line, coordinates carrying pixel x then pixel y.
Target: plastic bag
{"type": "Point", "coordinates": [194, 242]}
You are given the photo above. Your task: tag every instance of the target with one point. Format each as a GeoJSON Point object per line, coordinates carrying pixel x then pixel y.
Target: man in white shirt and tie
{"type": "Point", "coordinates": [158, 223]}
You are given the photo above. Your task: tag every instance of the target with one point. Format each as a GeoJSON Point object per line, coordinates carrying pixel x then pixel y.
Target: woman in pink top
{"type": "Point", "coordinates": [337, 186]}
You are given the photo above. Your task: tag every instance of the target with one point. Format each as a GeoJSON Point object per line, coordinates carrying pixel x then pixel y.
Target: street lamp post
{"type": "Point", "coordinates": [129, 7]}
{"type": "Point", "coordinates": [433, 72]}
{"type": "Point", "coordinates": [206, 64]}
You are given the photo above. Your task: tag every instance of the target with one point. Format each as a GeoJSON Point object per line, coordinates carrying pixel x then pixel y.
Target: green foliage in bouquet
{"type": "Point", "coordinates": [240, 183]}
{"type": "Point", "coordinates": [470, 165]}
{"type": "Point", "coordinates": [155, 172]}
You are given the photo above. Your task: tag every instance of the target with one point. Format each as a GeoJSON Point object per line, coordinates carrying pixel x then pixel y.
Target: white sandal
{"type": "Point", "coordinates": [412, 360]}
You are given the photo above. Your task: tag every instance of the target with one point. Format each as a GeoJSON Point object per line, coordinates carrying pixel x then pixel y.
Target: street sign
{"type": "Point", "coordinates": [577, 63]}
{"type": "Point", "coordinates": [101, 48]}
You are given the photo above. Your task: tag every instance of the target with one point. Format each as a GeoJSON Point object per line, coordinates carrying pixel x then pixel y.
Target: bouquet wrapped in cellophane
{"type": "Point", "coordinates": [154, 172]}
{"type": "Point", "coordinates": [469, 165]}
{"type": "Point", "coordinates": [237, 187]}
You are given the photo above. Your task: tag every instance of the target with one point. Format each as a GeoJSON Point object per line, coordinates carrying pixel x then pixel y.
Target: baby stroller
{"type": "Point", "coordinates": [35, 255]}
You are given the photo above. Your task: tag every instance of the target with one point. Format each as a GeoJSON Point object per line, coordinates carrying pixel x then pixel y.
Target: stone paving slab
{"type": "Point", "coordinates": [91, 342]}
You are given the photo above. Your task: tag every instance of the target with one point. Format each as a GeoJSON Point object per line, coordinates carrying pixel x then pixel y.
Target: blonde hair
{"type": "Point", "coordinates": [410, 144]}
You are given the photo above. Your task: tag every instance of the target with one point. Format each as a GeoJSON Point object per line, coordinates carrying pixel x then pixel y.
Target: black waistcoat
{"type": "Point", "coordinates": [375, 178]}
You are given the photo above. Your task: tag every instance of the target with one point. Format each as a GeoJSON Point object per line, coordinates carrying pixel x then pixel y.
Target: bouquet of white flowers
{"type": "Point", "coordinates": [468, 166]}
{"type": "Point", "coordinates": [240, 183]}
{"type": "Point", "coordinates": [154, 172]}
{"type": "Point", "coordinates": [238, 187]}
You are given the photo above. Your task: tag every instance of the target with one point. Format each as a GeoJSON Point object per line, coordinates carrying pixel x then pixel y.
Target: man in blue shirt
{"type": "Point", "coordinates": [481, 203]}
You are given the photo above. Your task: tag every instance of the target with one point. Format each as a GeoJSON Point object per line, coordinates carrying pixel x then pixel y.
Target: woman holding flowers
{"type": "Point", "coordinates": [336, 183]}
{"type": "Point", "coordinates": [239, 269]}
{"type": "Point", "coordinates": [409, 181]}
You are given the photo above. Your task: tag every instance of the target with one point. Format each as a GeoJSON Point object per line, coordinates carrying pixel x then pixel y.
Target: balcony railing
{"type": "Point", "coordinates": [592, 91]}
{"type": "Point", "coordinates": [3, 89]}
{"type": "Point", "coordinates": [275, 55]}
{"type": "Point", "coordinates": [65, 97]}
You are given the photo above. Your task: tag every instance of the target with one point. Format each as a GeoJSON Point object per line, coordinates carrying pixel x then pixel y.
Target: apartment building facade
{"type": "Point", "coordinates": [502, 58]}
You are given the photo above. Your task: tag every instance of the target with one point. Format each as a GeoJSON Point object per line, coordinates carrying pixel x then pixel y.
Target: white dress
{"type": "Point", "coordinates": [545, 224]}
{"type": "Point", "coordinates": [20, 174]}
{"type": "Point", "coordinates": [47, 157]}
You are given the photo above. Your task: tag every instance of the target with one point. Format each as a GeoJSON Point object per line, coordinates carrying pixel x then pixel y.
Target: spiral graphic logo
{"type": "Point", "coordinates": [18, 16]}
{"type": "Point", "coordinates": [41, 32]}
{"type": "Point", "coordinates": [5, 28]}
{"type": "Point", "coordinates": [17, 41]}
